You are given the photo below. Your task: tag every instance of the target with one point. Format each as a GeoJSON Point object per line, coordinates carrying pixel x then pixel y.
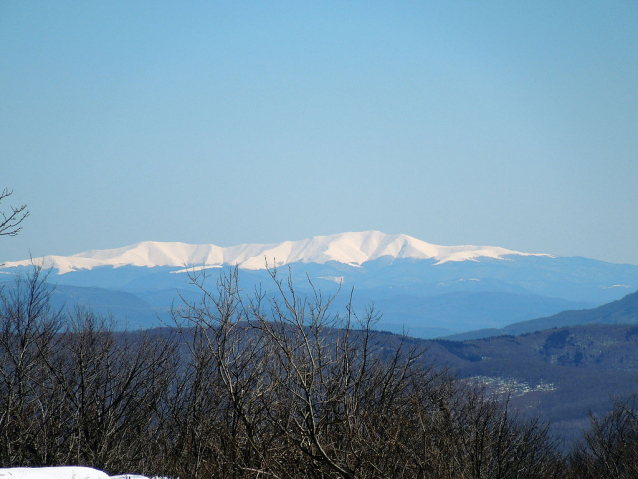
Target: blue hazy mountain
{"type": "Point", "coordinates": [621, 311]}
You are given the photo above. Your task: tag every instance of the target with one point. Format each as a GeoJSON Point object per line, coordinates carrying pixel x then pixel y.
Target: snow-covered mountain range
{"type": "Point", "coordinates": [347, 248]}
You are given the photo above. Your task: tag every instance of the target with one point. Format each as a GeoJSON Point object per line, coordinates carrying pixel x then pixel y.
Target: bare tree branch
{"type": "Point", "coordinates": [10, 224]}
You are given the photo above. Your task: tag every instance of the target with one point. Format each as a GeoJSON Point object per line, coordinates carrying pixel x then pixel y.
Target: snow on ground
{"type": "Point", "coordinates": [65, 472]}
{"type": "Point", "coordinates": [72, 472]}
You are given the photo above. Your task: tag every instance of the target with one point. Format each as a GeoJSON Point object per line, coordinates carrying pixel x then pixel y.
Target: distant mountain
{"type": "Point", "coordinates": [622, 311]}
{"type": "Point", "coordinates": [129, 311]}
{"type": "Point", "coordinates": [346, 248]}
{"type": "Point", "coordinates": [430, 290]}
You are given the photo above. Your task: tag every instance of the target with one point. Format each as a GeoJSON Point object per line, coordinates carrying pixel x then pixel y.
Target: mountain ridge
{"type": "Point", "coordinates": [620, 311]}
{"type": "Point", "coordinates": [353, 248]}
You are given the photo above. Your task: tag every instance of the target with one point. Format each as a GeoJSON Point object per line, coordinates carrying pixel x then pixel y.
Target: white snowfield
{"type": "Point", "coordinates": [62, 472]}
{"type": "Point", "coordinates": [67, 472]}
{"type": "Point", "coordinates": [348, 248]}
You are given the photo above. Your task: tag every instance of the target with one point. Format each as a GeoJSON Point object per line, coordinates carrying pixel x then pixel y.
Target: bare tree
{"type": "Point", "coordinates": [28, 332]}
{"type": "Point", "coordinates": [113, 383]}
{"type": "Point", "coordinates": [283, 387]}
{"type": "Point", "coordinates": [10, 223]}
{"type": "Point", "coordinates": [73, 390]}
{"type": "Point", "coordinates": [252, 386]}
{"type": "Point", "coordinates": [610, 447]}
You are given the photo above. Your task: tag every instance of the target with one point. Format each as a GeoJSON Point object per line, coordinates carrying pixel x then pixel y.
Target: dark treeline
{"type": "Point", "coordinates": [258, 386]}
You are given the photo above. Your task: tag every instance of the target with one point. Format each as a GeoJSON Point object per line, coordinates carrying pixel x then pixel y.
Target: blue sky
{"type": "Point", "coordinates": [510, 124]}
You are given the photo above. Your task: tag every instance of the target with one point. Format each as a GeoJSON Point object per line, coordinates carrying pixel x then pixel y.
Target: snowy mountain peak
{"type": "Point", "coordinates": [348, 248]}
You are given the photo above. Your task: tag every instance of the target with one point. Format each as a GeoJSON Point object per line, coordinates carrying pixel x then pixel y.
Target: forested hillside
{"type": "Point", "coordinates": [561, 374]}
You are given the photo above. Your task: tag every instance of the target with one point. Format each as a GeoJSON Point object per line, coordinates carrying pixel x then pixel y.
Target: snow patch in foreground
{"type": "Point", "coordinates": [73, 472]}
{"type": "Point", "coordinates": [65, 472]}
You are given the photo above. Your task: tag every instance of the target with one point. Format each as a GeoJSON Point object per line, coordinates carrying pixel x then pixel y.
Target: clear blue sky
{"type": "Point", "coordinates": [510, 124]}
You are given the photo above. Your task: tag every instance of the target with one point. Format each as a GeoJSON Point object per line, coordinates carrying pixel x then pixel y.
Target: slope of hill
{"type": "Point", "coordinates": [622, 311]}
{"type": "Point", "coordinates": [128, 310]}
